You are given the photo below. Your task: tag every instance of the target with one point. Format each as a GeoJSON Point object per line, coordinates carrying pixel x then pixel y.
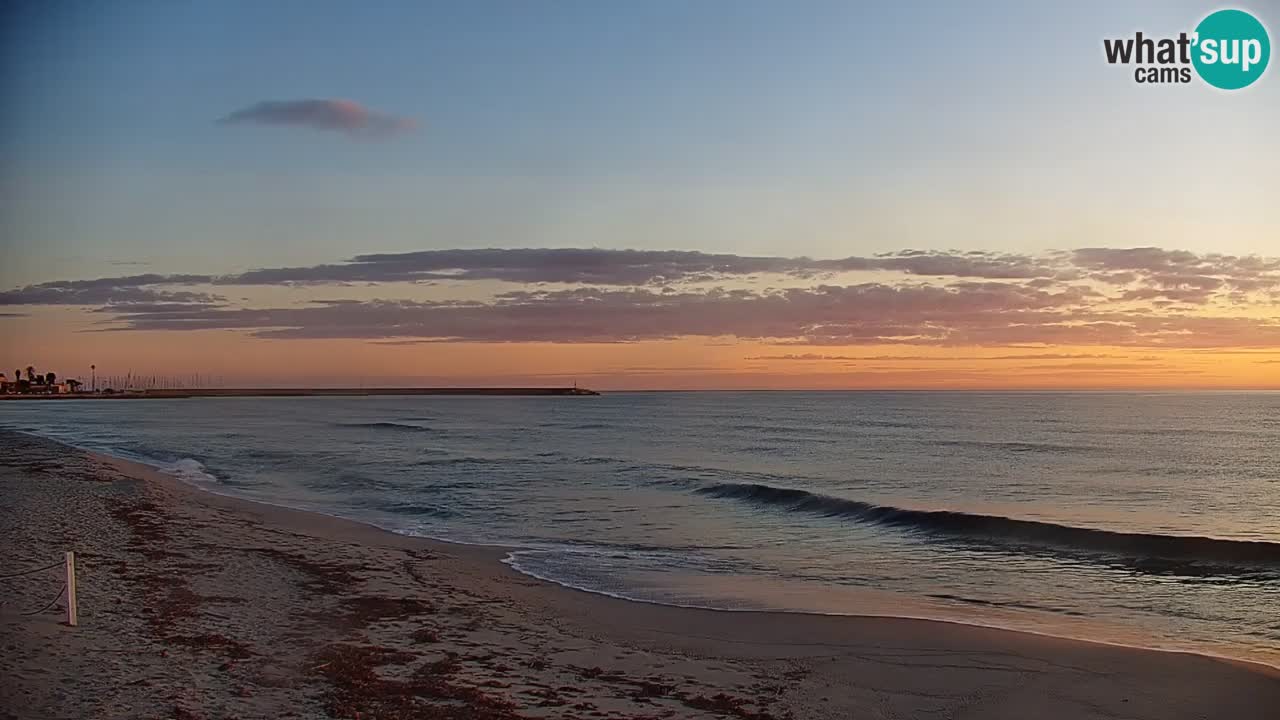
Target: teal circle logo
{"type": "Point", "coordinates": [1231, 49]}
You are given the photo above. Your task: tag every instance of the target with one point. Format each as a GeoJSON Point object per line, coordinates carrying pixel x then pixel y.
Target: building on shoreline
{"type": "Point", "coordinates": [33, 384]}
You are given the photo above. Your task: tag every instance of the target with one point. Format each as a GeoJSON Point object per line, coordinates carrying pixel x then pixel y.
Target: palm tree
{"type": "Point", "coordinates": [51, 378]}
{"type": "Point", "coordinates": [31, 373]}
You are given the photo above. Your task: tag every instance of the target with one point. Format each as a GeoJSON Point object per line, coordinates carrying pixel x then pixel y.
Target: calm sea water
{"type": "Point", "coordinates": [1150, 519]}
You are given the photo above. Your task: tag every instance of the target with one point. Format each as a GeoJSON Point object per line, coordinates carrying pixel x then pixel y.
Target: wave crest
{"type": "Point", "coordinates": [386, 425]}
{"type": "Point", "coordinates": [1147, 552]}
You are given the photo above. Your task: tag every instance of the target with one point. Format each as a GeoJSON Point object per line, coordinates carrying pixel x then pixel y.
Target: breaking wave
{"type": "Point", "coordinates": [402, 427]}
{"type": "Point", "coordinates": [1148, 552]}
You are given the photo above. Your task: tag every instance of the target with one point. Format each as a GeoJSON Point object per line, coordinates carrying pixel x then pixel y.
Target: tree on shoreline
{"type": "Point", "coordinates": [30, 382]}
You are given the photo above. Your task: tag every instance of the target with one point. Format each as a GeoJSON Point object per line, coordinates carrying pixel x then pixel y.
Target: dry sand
{"type": "Point", "coordinates": [194, 605]}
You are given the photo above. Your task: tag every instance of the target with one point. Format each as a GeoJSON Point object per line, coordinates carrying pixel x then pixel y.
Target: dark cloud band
{"type": "Point", "coordinates": [1092, 296]}
{"type": "Point", "coordinates": [983, 314]}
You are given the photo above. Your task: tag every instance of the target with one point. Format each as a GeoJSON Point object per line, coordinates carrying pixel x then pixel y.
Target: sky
{"type": "Point", "coordinates": [632, 195]}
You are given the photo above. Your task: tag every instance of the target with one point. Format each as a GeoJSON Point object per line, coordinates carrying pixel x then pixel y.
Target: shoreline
{"type": "Point", "coordinates": [1251, 663]}
{"type": "Point", "coordinates": [502, 557]}
{"type": "Point", "coordinates": [312, 392]}
{"type": "Point", "coordinates": [505, 555]}
{"type": "Point", "coordinates": [914, 666]}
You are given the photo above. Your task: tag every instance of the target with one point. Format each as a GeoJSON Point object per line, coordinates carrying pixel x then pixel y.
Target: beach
{"type": "Point", "coordinates": [197, 605]}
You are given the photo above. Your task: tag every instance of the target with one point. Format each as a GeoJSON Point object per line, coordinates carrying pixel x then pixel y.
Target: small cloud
{"type": "Point", "coordinates": [343, 116]}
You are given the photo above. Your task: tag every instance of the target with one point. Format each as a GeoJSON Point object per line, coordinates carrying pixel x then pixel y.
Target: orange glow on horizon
{"type": "Point", "coordinates": [239, 360]}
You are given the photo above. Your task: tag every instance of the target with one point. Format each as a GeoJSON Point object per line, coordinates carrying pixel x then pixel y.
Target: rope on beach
{"type": "Point", "coordinates": [51, 603]}
{"type": "Point", "coordinates": [31, 572]}
{"type": "Point", "coordinates": [68, 588]}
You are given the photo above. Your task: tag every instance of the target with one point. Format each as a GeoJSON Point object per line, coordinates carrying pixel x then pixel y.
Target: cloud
{"type": "Point", "coordinates": [343, 116]}
{"type": "Point", "coordinates": [536, 265]}
{"type": "Point", "coordinates": [866, 311]}
{"type": "Point", "coordinates": [962, 314]}
{"type": "Point", "coordinates": [108, 291]}
{"type": "Point", "coordinates": [1151, 274]}
{"type": "Point", "coordinates": [153, 308]}
{"type": "Point", "coordinates": [1136, 297]}
{"type": "Point", "coordinates": [1178, 275]}
{"type": "Point", "coordinates": [598, 266]}
{"type": "Point", "coordinates": [1149, 259]}
{"type": "Point", "coordinates": [1193, 282]}
{"type": "Point", "coordinates": [950, 263]}
{"type": "Point", "coordinates": [632, 267]}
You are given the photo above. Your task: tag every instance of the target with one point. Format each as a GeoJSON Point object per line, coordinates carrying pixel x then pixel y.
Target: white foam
{"type": "Point", "coordinates": [189, 470]}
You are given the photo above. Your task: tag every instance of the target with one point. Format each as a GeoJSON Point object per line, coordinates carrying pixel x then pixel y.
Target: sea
{"type": "Point", "coordinates": [1146, 519]}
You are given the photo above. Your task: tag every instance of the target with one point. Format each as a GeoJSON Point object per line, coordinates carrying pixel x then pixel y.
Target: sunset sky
{"type": "Point", "coordinates": [632, 195]}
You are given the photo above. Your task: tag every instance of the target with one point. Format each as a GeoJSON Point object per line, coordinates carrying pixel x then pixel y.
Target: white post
{"type": "Point", "coordinates": [71, 588]}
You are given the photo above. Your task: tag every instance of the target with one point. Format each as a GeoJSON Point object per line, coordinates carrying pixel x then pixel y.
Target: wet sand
{"type": "Point", "coordinates": [194, 605]}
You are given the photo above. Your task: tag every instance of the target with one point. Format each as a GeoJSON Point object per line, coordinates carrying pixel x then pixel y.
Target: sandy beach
{"type": "Point", "coordinates": [195, 605]}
